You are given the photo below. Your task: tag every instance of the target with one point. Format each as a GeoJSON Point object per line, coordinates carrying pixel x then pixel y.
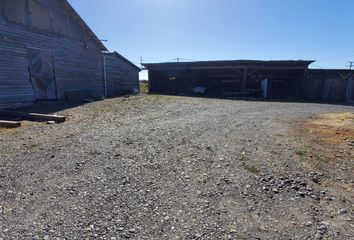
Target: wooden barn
{"type": "Point", "coordinates": [48, 52]}
{"type": "Point", "coordinates": [121, 75]}
{"type": "Point", "coordinates": [239, 78]}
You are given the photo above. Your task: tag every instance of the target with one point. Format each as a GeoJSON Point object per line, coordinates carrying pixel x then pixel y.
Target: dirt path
{"type": "Point", "coordinates": [155, 167]}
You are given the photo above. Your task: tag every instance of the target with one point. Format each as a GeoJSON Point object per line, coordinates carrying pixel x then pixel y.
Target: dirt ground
{"type": "Point", "coordinates": [159, 167]}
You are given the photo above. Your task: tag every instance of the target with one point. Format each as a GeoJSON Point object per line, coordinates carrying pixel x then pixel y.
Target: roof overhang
{"type": "Point", "coordinates": [230, 64]}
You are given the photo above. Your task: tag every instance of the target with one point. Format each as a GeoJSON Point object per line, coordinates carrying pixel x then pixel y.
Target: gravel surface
{"type": "Point", "coordinates": [156, 167]}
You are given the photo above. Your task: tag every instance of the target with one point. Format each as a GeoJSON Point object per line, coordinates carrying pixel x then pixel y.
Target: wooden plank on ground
{"type": "Point", "coordinates": [34, 116]}
{"type": "Point", "coordinates": [9, 124]}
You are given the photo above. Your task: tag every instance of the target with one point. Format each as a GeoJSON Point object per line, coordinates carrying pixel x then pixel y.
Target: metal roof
{"type": "Point", "coordinates": [331, 70]}
{"type": "Point", "coordinates": [231, 63]}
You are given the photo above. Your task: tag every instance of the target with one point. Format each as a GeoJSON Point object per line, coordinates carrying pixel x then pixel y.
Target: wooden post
{"type": "Point", "coordinates": [244, 80]}
{"type": "Point", "coordinates": [194, 80]}
{"type": "Point", "coordinates": [349, 95]}
{"type": "Point", "coordinates": [305, 83]}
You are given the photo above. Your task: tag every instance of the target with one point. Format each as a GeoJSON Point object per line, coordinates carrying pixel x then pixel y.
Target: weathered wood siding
{"type": "Point", "coordinates": [329, 85]}
{"type": "Point", "coordinates": [47, 25]}
{"type": "Point", "coordinates": [122, 78]}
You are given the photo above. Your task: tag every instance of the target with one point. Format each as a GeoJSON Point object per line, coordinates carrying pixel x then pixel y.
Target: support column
{"type": "Point", "coordinates": [244, 80]}
{"type": "Point", "coordinates": [305, 84]}
{"type": "Point", "coordinates": [349, 93]}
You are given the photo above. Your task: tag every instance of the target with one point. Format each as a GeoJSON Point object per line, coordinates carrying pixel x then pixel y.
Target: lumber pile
{"type": "Point", "coordinates": [33, 116]}
{"type": "Point", "coordinates": [9, 124]}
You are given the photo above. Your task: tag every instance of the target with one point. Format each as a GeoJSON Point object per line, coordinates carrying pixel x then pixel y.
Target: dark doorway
{"type": "Point", "coordinates": [42, 74]}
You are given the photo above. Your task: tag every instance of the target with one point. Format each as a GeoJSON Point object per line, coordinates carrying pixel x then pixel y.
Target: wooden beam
{"type": "Point", "coordinates": [243, 66]}
{"type": "Point", "coordinates": [252, 72]}
{"type": "Point", "coordinates": [9, 124]}
{"type": "Point", "coordinates": [238, 71]}
{"type": "Point", "coordinates": [34, 116]}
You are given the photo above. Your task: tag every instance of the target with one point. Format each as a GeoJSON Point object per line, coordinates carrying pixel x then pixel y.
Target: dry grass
{"type": "Point", "coordinates": [144, 87]}
{"type": "Point", "coordinates": [252, 169]}
{"type": "Point", "coordinates": [95, 152]}
{"type": "Point", "coordinates": [326, 143]}
{"type": "Point", "coordinates": [332, 128]}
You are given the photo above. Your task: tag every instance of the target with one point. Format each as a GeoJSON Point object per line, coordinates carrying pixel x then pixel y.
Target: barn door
{"type": "Point", "coordinates": [42, 74]}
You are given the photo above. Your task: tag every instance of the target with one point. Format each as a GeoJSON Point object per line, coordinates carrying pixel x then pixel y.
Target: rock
{"type": "Point", "coordinates": [315, 180]}
{"type": "Point", "coordinates": [51, 122]}
{"type": "Point", "coordinates": [46, 237]}
{"type": "Point", "coordinates": [323, 227]}
{"type": "Point", "coordinates": [318, 236]}
{"type": "Point", "coordinates": [302, 194]}
{"type": "Point", "coordinates": [342, 211]}
{"type": "Point", "coordinates": [275, 190]}
{"type": "Point", "coordinates": [132, 230]}
{"type": "Point", "coordinates": [316, 197]}
{"type": "Point", "coordinates": [230, 237]}
{"type": "Point", "coordinates": [303, 184]}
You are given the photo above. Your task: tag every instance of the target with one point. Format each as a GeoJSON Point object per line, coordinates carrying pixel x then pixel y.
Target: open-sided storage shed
{"type": "Point", "coordinates": [238, 78]}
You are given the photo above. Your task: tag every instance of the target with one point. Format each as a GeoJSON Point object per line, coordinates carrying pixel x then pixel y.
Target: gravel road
{"type": "Point", "coordinates": [158, 167]}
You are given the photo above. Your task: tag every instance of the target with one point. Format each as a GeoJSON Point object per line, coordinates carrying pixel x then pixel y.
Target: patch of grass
{"type": "Point", "coordinates": [95, 152]}
{"type": "Point", "coordinates": [32, 146]}
{"type": "Point", "coordinates": [144, 86]}
{"type": "Point", "coordinates": [252, 169]}
{"type": "Point", "coordinates": [301, 153]}
{"type": "Point", "coordinates": [13, 131]}
{"type": "Point", "coordinates": [331, 128]}
{"type": "Point", "coordinates": [322, 159]}
{"type": "Point", "coordinates": [274, 152]}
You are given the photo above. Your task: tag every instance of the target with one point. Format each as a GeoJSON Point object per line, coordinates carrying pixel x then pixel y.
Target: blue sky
{"type": "Point", "coordinates": [162, 30]}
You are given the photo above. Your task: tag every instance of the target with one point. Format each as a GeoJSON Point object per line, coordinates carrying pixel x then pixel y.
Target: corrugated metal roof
{"type": "Point", "coordinates": [231, 63]}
